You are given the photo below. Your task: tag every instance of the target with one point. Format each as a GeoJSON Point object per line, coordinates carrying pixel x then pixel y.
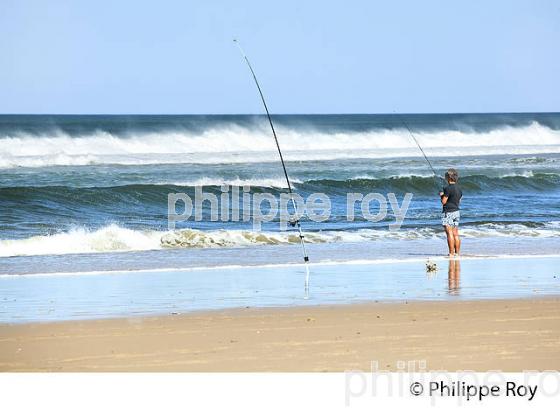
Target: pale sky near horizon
{"type": "Point", "coordinates": [177, 57]}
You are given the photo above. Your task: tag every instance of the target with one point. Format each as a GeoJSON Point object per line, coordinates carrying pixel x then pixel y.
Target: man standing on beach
{"type": "Point", "coordinates": [450, 199]}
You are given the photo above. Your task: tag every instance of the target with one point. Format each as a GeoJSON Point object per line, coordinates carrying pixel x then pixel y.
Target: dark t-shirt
{"type": "Point", "coordinates": [453, 194]}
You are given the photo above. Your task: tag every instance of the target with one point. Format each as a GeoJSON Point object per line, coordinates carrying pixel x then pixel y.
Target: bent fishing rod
{"type": "Point", "coordinates": [296, 221]}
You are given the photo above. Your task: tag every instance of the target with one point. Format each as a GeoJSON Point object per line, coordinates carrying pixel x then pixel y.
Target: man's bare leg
{"type": "Point", "coordinates": [450, 240]}
{"type": "Point", "coordinates": [457, 240]}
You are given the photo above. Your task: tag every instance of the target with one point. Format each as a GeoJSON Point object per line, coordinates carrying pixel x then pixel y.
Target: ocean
{"type": "Point", "coordinates": [84, 193]}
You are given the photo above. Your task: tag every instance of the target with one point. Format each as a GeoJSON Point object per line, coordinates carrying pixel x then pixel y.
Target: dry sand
{"type": "Point", "coordinates": [509, 335]}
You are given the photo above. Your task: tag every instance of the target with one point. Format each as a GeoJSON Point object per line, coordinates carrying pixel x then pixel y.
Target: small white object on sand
{"type": "Point", "coordinates": [431, 266]}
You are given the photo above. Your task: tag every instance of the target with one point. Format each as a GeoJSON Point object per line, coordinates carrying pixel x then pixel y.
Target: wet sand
{"type": "Point", "coordinates": [508, 335]}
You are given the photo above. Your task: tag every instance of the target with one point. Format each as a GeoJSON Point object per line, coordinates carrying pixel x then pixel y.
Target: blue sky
{"type": "Point", "coordinates": [311, 57]}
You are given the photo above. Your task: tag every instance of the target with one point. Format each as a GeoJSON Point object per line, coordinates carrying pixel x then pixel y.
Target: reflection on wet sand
{"type": "Point", "coordinates": [454, 276]}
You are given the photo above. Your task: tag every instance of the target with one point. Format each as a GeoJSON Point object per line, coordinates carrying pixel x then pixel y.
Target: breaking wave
{"type": "Point", "coordinates": [238, 144]}
{"type": "Point", "coordinates": [113, 238]}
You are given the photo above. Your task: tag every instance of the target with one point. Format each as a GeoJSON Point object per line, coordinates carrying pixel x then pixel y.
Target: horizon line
{"type": "Point", "coordinates": [285, 114]}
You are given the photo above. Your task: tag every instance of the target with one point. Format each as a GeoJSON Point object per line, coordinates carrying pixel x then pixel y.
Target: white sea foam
{"type": "Point", "coordinates": [524, 174]}
{"type": "Point", "coordinates": [254, 182]}
{"type": "Point", "coordinates": [241, 144]}
{"type": "Point", "coordinates": [107, 239]}
{"type": "Point", "coordinates": [113, 238]}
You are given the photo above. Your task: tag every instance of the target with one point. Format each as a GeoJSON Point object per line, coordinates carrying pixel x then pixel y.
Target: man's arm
{"type": "Point", "coordinates": [443, 196]}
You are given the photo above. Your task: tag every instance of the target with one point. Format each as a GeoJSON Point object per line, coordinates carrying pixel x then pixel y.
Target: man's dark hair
{"type": "Point", "coordinates": [452, 175]}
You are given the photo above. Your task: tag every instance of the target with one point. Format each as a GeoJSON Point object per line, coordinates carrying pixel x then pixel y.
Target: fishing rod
{"type": "Point", "coordinates": [296, 221]}
{"type": "Point", "coordinates": [421, 150]}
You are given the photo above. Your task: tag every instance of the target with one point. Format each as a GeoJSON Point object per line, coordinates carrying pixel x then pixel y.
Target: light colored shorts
{"type": "Point", "coordinates": [450, 218]}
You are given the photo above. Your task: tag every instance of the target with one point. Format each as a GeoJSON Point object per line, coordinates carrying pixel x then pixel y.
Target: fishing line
{"type": "Point", "coordinates": [296, 221]}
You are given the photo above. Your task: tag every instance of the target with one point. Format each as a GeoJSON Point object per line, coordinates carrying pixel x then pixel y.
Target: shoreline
{"type": "Point", "coordinates": [240, 309]}
{"type": "Point", "coordinates": [439, 258]}
{"type": "Point", "coordinates": [270, 256]}
{"type": "Point", "coordinates": [479, 335]}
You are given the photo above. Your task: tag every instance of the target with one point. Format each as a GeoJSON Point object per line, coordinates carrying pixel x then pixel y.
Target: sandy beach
{"type": "Point", "coordinates": [509, 335]}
